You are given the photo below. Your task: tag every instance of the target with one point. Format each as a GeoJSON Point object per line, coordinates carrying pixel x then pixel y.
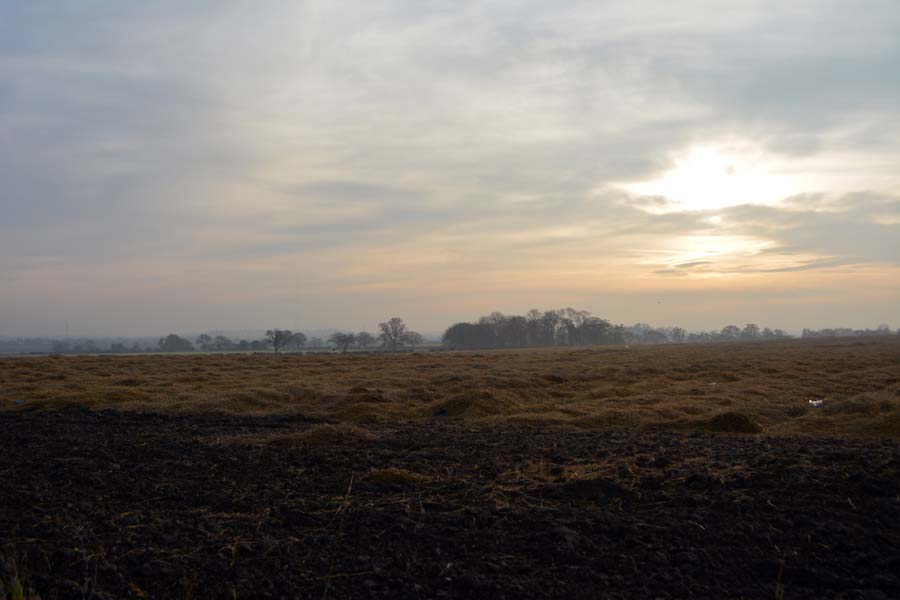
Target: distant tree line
{"type": "Point", "coordinates": [565, 327]}
{"type": "Point", "coordinates": [562, 327]}
{"type": "Point", "coordinates": [281, 340]}
{"type": "Point", "coordinates": [881, 330]}
{"type": "Point", "coordinates": [570, 327]}
{"type": "Point", "coordinates": [394, 336]}
{"type": "Point", "coordinates": [750, 331]}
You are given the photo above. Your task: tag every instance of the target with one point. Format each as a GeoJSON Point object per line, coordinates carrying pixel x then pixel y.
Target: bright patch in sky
{"type": "Point", "coordinates": [708, 247]}
{"type": "Point", "coordinates": [710, 178]}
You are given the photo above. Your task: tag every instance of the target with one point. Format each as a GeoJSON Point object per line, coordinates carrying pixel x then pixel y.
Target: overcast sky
{"type": "Point", "coordinates": [298, 164]}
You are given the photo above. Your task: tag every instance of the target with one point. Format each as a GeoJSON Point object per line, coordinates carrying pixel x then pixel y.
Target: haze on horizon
{"type": "Point", "coordinates": [233, 165]}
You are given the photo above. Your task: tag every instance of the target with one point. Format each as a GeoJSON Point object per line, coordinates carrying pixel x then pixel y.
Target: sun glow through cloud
{"type": "Point", "coordinates": [709, 178]}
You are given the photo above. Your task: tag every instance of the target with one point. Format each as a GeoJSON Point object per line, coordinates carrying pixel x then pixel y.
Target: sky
{"type": "Point", "coordinates": [171, 166]}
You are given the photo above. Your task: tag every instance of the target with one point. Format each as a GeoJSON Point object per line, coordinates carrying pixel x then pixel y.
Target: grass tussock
{"type": "Point", "coordinates": [734, 387]}
{"type": "Point", "coordinates": [475, 403]}
{"type": "Point", "coordinates": [730, 422]}
{"type": "Point", "coordinates": [341, 433]}
{"type": "Point", "coordinates": [14, 580]}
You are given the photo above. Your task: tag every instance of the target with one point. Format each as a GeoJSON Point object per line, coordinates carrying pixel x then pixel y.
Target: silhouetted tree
{"type": "Point", "coordinates": [549, 322]}
{"type": "Point", "coordinates": [222, 343]}
{"type": "Point", "coordinates": [534, 327]}
{"type": "Point", "coordinates": [596, 331]}
{"type": "Point", "coordinates": [341, 341]}
{"type": "Point", "coordinates": [413, 339]}
{"type": "Point", "coordinates": [392, 333]}
{"type": "Point", "coordinates": [563, 327]}
{"type": "Point", "coordinates": [174, 343]}
{"type": "Point", "coordinates": [652, 336]}
{"type": "Point", "coordinates": [364, 340]}
{"type": "Point", "coordinates": [278, 337]}
{"type": "Point", "coordinates": [297, 341]}
{"type": "Point", "coordinates": [571, 327]}
{"type": "Point", "coordinates": [514, 332]}
{"type": "Point", "coordinates": [750, 332]}
{"type": "Point", "coordinates": [204, 341]}
{"type": "Point", "coordinates": [468, 335]}
{"type": "Point", "coordinates": [731, 332]}
{"type": "Point", "coordinates": [881, 330]}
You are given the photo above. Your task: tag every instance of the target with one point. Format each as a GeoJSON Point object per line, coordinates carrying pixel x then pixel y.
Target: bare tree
{"type": "Point", "coordinates": [750, 332]}
{"type": "Point", "coordinates": [549, 322]}
{"type": "Point", "coordinates": [413, 339]}
{"type": "Point", "coordinates": [204, 341]}
{"type": "Point", "coordinates": [730, 332]}
{"type": "Point", "coordinates": [652, 336]}
{"type": "Point", "coordinates": [278, 337]}
{"type": "Point", "coordinates": [342, 340]}
{"type": "Point", "coordinates": [392, 333]}
{"type": "Point", "coordinates": [297, 341]}
{"type": "Point", "coordinates": [222, 343]}
{"type": "Point", "coordinates": [364, 339]}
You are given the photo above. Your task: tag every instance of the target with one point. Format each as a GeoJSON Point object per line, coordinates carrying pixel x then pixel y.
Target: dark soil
{"type": "Point", "coordinates": [112, 505]}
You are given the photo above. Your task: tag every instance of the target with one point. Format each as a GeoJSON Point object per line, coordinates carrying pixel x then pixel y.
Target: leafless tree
{"type": "Point", "coordinates": [730, 332]}
{"type": "Point", "coordinates": [750, 332]}
{"type": "Point", "coordinates": [413, 339]}
{"type": "Point", "coordinates": [278, 338]}
{"type": "Point", "coordinates": [364, 340]}
{"type": "Point", "coordinates": [341, 341]}
{"type": "Point", "coordinates": [392, 331]}
{"type": "Point", "coordinates": [204, 341]}
{"type": "Point", "coordinates": [297, 341]}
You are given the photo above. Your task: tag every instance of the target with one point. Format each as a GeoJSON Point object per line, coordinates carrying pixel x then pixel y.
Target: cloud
{"type": "Point", "coordinates": [670, 272]}
{"type": "Point", "coordinates": [394, 152]}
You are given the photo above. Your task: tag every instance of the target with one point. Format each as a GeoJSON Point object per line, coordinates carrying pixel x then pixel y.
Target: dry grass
{"type": "Point", "coordinates": [767, 384]}
{"type": "Point", "coordinates": [317, 435]}
{"type": "Point", "coordinates": [731, 422]}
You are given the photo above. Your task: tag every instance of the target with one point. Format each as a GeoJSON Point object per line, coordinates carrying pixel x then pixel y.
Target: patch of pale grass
{"type": "Point", "coordinates": [317, 435]}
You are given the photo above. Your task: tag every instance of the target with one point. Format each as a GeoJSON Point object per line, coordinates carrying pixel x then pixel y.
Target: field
{"type": "Point", "coordinates": [669, 471]}
{"type": "Point", "coordinates": [768, 385]}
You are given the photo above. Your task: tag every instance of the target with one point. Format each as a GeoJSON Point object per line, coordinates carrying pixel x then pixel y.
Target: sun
{"type": "Point", "coordinates": [709, 178]}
